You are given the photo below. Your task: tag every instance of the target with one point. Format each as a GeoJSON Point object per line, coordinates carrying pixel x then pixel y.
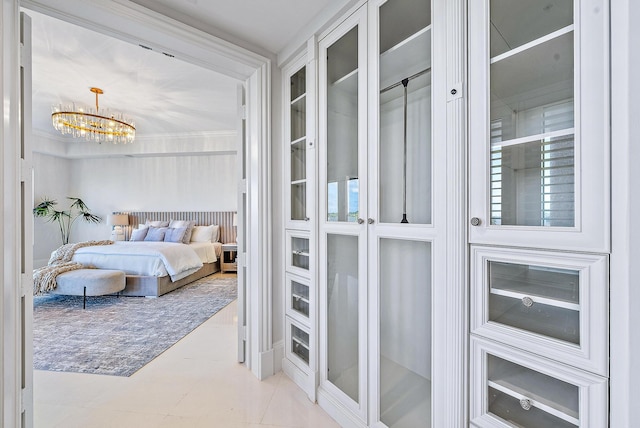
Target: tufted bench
{"type": "Point", "coordinates": [89, 282]}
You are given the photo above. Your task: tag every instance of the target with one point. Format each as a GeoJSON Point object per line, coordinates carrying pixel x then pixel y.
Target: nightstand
{"type": "Point", "coordinates": [228, 262]}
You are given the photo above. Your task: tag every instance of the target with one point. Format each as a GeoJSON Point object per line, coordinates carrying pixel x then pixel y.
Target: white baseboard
{"type": "Point", "coordinates": [304, 380]}
{"type": "Point", "coordinates": [266, 365]}
{"type": "Point", "coordinates": [278, 355]}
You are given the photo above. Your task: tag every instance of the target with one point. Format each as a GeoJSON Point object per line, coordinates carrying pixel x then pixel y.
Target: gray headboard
{"type": "Point", "coordinates": [202, 218]}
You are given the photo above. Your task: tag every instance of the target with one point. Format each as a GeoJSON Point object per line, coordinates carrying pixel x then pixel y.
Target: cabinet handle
{"type": "Point", "coordinates": [370, 221]}
{"type": "Point", "coordinates": [527, 301]}
{"type": "Point", "coordinates": [525, 403]}
{"type": "Point", "coordinates": [475, 221]}
{"type": "Point", "coordinates": [307, 219]}
{"type": "Point", "coordinates": [360, 221]}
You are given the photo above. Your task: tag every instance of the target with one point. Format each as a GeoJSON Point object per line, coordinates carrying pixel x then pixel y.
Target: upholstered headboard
{"type": "Point", "coordinates": [202, 218]}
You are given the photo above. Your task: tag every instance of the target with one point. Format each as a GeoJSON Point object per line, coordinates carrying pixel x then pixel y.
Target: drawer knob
{"type": "Point", "coordinates": [527, 301]}
{"type": "Point", "coordinates": [360, 220]}
{"type": "Point", "coordinates": [525, 403]}
{"type": "Point", "coordinates": [475, 221]}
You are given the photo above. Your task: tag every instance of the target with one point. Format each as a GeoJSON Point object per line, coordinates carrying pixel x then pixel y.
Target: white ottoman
{"type": "Point", "coordinates": [89, 282]}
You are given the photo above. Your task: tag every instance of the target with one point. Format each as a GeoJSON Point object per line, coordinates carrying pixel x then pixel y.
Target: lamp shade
{"type": "Point", "coordinates": [118, 219]}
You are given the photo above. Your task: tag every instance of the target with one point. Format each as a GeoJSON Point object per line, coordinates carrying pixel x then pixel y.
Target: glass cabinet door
{"type": "Point", "coordinates": [538, 146]}
{"type": "Point", "coordinates": [342, 228]}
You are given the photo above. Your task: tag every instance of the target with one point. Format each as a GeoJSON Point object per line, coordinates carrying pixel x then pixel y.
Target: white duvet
{"type": "Point", "coordinates": [146, 258]}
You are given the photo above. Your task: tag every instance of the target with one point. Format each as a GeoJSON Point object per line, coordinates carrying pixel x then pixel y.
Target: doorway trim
{"type": "Point", "coordinates": [136, 24]}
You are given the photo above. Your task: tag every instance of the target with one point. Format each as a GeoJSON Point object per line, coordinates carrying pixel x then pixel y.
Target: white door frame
{"type": "Point", "coordinates": [133, 23]}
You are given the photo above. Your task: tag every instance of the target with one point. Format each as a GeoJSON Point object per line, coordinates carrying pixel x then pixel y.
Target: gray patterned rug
{"type": "Point", "coordinates": [118, 336]}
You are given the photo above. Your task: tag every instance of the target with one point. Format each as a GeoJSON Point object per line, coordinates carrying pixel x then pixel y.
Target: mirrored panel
{"type": "Point", "coordinates": [405, 333]}
{"type": "Point", "coordinates": [342, 313]}
{"type": "Point", "coordinates": [404, 142]}
{"type": "Point", "coordinates": [342, 129]}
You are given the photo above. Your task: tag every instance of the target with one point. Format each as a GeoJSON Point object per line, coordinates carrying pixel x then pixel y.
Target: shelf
{"type": "Point", "coordinates": [509, 409]}
{"type": "Point", "coordinates": [296, 182]}
{"type": "Point", "coordinates": [544, 320]}
{"type": "Point", "coordinates": [301, 97]}
{"type": "Point", "coordinates": [532, 44]}
{"type": "Point", "coordinates": [561, 287]}
{"type": "Point", "coordinates": [300, 253]}
{"type": "Point", "coordinates": [300, 342]}
{"type": "Point", "coordinates": [549, 394]}
{"type": "Point", "coordinates": [533, 138]}
{"type": "Point", "coordinates": [299, 140]}
{"type": "Point", "coordinates": [407, 58]}
{"type": "Point", "coordinates": [405, 396]}
{"type": "Point", "coordinates": [347, 84]}
{"type": "Point", "coordinates": [538, 76]}
{"type": "Point", "coordinates": [300, 297]}
{"type": "Point", "coordinates": [537, 299]}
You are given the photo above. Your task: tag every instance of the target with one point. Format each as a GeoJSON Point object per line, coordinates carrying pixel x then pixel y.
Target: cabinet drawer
{"type": "Point", "coordinates": [298, 345]}
{"type": "Point", "coordinates": [298, 298]}
{"type": "Point", "coordinates": [512, 388]}
{"type": "Point", "coordinates": [298, 256]}
{"type": "Point", "coordinates": [553, 304]}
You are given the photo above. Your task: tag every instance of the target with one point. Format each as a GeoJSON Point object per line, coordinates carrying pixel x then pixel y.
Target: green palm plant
{"type": "Point", "coordinates": [65, 219]}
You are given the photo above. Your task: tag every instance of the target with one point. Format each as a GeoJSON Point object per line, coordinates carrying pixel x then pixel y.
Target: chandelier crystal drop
{"type": "Point", "coordinates": [92, 124]}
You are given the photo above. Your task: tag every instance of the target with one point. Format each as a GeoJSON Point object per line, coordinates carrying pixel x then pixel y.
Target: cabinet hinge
{"type": "Point", "coordinates": [25, 170]}
{"type": "Point", "coordinates": [244, 333]}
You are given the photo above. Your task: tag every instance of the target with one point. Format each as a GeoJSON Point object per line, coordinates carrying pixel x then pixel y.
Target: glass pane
{"type": "Point", "coordinates": [300, 253]}
{"type": "Point", "coordinates": [342, 128]}
{"type": "Point", "coordinates": [300, 298]}
{"type": "Point", "coordinates": [405, 324]}
{"type": "Point", "coordinates": [555, 403]}
{"type": "Point", "coordinates": [533, 184]}
{"type": "Point", "coordinates": [300, 343]}
{"type": "Point", "coordinates": [405, 112]}
{"type": "Point", "coordinates": [298, 201]}
{"type": "Point", "coordinates": [536, 298]}
{"type": "Point", "coordinates": [516, 22]}
{"type": "Point", "coordinates": [342, 313]}
{"type": "Point", "coordinates": [525, 86]}
{"type": "Point", "coordinates": [299, 84]}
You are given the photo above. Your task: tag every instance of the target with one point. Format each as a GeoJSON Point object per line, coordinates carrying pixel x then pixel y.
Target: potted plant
{"type": "Point", "coordinates": [65, 219]}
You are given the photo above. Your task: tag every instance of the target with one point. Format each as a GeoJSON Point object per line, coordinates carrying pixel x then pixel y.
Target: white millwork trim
{"type": "Point", "coordinates": [130, 22]}
{"type": "Point", "coordinates": [625, 247]}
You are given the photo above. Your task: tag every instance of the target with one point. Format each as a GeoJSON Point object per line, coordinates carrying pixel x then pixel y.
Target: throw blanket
{"type": "Point", "coordinates": [44, 278]}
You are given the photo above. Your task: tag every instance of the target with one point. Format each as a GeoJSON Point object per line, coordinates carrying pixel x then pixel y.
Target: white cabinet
{"type": "Point", "coordinates": [539, 213]}
{"type": "Point", "coordinates": [552, 304]}
{"type": "Point", "coordinates": [299, 116]}
{"type": "Point", "coordinates": [512, 388]}
{"type": "Point", "coordinates": [539, 136]}
{"type": "Point", "coordinates": [379, 196]}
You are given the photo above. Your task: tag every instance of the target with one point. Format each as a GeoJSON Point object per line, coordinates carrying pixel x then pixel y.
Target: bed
{"type": "Point", "coordinates": [154, 268]}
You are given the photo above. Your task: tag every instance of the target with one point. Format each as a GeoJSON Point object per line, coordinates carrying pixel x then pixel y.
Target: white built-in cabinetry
{"type": "Point", "coordinates": [299, 84]}
{"type": "Point", "coordinates": [380, 319]}
{"type": "Point", "coordinates": [539, 213]}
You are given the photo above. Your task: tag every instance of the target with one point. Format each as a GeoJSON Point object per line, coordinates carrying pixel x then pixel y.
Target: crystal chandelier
{"type": "Point", "coordinates": [91, 125]}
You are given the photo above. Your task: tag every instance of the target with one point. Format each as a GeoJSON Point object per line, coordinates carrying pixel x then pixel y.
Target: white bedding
{"type": "Point", "coordinates": [148, 258]}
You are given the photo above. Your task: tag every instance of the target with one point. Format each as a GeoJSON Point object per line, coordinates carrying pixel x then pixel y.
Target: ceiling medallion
{"type": "Point", "coordinates": [92, 125]}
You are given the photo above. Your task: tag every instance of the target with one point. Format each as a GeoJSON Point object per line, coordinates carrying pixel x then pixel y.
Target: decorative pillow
{"type": "Point", "coordinates": [155, 233]}
{"type": "Point", "coordinates": [139, 234]}
{"type": "Point", "coordinates": [184, 223]}
{"type": "Point", "coordinates": [202, 233]}
{"type": "Point", "coordinates": [175, 234]}
{"type": "Point", "coordinates": [157, 223]}
{"type": "Point", "coordinates": [215, 236]}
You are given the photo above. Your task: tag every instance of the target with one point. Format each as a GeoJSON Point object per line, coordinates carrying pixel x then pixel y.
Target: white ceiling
{"type": "Point", "coordinates": [165, 96]}
{"type": "Point", "coordinates": [266, 24]}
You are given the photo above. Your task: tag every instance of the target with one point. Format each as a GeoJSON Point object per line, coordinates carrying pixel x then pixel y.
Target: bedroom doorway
{"type": "Point", "coordinates": [253, 71]}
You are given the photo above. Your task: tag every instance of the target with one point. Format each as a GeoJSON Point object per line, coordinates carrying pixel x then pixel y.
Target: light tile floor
{"type": "Point", "coordinates": [197, 383]}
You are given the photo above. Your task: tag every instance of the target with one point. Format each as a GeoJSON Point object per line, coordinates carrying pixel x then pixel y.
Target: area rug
{"type": "Point", "coordinates": [118, 336]}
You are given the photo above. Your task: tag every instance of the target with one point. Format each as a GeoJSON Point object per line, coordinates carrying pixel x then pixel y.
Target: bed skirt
{"type": "Point", "coordinates": [153, 286]}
